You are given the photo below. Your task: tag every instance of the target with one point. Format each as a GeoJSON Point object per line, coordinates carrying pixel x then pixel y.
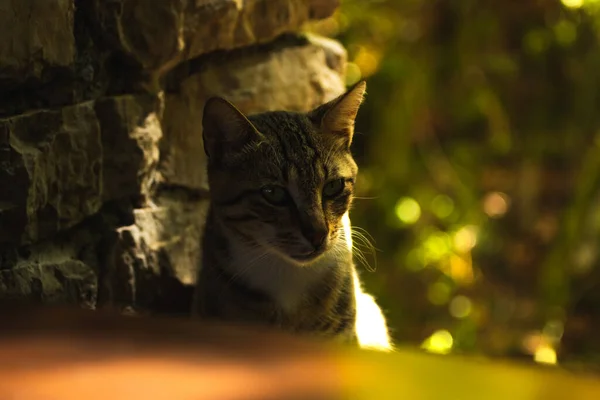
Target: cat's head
{"type": "Point", "coordinates": [282, 181]}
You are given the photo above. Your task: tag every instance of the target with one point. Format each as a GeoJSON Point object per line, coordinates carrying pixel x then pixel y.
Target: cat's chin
{"type": "Point", "coordinates": [306, 259]}
{"type": "Point", "coordinates": [302, 260]}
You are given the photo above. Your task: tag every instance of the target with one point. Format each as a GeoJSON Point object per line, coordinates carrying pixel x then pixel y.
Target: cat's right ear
{"type": "Point", "coordinates": [225, 129]}
{"type": "Point", "coordinates": [337, 117]}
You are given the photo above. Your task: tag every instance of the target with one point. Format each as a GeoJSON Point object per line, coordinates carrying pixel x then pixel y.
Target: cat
{"type": "Point", "coordinates": [277, 246]}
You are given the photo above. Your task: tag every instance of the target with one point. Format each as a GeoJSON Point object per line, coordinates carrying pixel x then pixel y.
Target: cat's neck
{"type": "Point", "coordinates": [286, 282]}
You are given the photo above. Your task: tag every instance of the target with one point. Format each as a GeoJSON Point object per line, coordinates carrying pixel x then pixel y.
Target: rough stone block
{"type": "Point", "coordinates": [130, 133]}
{"type": "Point", "coordinates": [70, 282]}
{"type": "Point", "coordinates": [50, 171]}
{"type": "Point", "coordinates": [191, 28]}
{"type": "Point", "coordinates": [49, 272]}
{"type": "Point", "coordinates": [36, 36]}
{"type": "Point", "coordinates": [155, 260]}
{"type": "Point", "coordinates": [58, 167]}
{"type": "Point", "coordinates": [294, 76]}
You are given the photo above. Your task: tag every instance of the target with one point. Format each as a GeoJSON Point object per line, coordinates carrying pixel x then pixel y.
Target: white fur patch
{"type": "Point", "coordinates": [371, 326]}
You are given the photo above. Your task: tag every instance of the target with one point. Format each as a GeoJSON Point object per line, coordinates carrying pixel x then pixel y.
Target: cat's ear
{"type": "Point", "coordinates": [225, 129]}
{"type": "Point", "coordinates": [337, 116]}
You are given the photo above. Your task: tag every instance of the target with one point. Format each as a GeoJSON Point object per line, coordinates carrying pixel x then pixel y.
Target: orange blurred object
{"type": "Point", "coordinates": [60, 353]}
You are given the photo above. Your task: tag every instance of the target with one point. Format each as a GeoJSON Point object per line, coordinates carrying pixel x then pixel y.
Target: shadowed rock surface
{"type": "Point", "coordinates": [102, 184]}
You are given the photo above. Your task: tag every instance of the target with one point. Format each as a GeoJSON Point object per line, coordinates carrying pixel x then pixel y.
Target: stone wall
{"type": "Point", "coordinates": [102, 172]}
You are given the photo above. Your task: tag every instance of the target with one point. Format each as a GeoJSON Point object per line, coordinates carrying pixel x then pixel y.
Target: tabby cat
{"type": "Point", "coordinates": [277, 242]}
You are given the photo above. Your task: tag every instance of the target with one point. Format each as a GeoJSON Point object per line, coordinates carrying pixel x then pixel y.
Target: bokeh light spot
{"type": "Point", "coordinates": [439, 342]}
{"type": "Point", "coordinates": [461, 270]}
{"type": "Point", "coordinates": [532, 341]}
{"type": "Point", "coordinates": [367, 60]}
{"type": "Point", "coordinates": [408, 210]}
{"type": "Point", "coordinates": [495, 204]}
{"type": "Point", "coordinates": [572, 3]}
{"type": "Point", "coordinates": [439, 293]}
{"type": "Point", "coordinates": [415, 260]}
{"type": "Point", "coordinates": [442, 206]}
{"type": "Point", "coordinates": [545, 354]}
{"type": "Point", "coordinates": [465, 238]}
{"type": "Point", "coordinates": [565, 32]}
{"type": "Point", "coordinates": [353, 73]}
{"type": "Point", "coordinates": [436, 246]}
{"type": "Point", "coordinates": [460, 307]}
{"type": "Point", "coordinates": [537, 41]}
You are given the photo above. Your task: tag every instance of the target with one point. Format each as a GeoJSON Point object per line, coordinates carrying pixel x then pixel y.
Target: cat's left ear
{"type": "Point", "coordinates": [225, 129]}
{"type": "Point", "coordinates": [337, 116]}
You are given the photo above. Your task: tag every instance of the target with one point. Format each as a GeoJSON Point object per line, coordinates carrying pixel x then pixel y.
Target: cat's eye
{"type": "Point", "coordinates": [275, 195]}
{"type": "Point", "coordinates": [333, 188]}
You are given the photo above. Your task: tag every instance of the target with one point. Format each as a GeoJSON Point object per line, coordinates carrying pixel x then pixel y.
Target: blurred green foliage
{"type": "Point", "coordinates": [479, 147]}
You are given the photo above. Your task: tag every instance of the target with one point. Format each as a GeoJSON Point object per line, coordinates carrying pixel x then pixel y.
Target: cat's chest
{"type": "Point", "coordinates": [289, 286]}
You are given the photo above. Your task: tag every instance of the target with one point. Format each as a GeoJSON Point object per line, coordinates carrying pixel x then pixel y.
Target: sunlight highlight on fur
{"type": "Point", "coordinates": [371, 327]}
{"type": "Point", "coordinates": [347, 230]}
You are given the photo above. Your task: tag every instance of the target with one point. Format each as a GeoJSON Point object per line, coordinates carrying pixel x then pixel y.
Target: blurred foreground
{"type": "Point", "coordinates": [54, 353]}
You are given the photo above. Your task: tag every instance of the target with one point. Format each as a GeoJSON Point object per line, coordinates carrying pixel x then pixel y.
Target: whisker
{"type": "Point", "coordinates": [361, 243]}
{"type": "Point", "coordinates": [355, 228]}
{"type": "Point", "coordinates": [364, 236]}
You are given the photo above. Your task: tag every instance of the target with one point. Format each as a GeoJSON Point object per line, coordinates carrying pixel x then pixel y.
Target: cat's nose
{"type": "Point", "coordinates": [317, 238]}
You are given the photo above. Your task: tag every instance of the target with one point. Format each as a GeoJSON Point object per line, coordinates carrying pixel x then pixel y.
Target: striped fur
{"type": "Point", "coordinates": [277, 245]}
